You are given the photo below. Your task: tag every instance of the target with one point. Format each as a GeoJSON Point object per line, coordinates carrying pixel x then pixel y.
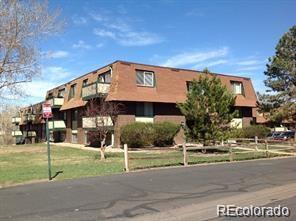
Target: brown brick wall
{"type": "Point", "coordinates": [121, 121]}
{"type": "Point", "coordinates": [247, 121]}
{"type": "Point", "coordinates": [68, 135]}
{"type": "Point", "coordinates": [80, 135]}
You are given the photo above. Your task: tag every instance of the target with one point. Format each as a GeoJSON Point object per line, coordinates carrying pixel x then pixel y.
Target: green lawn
{"type": "Point", "coordinates": [23, 163]}
{"type": "Point", "coordinates": [29, 162]}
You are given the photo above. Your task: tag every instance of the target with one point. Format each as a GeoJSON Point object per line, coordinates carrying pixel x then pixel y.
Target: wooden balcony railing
{"type": "Point", "coordinates": [56, 102]}
{"type": "Point", "coordinates": [56, 125]}
{"type": "Point", "coordinates": [90, 122]}
{"type": "Point", "coordinates": [95, 89]}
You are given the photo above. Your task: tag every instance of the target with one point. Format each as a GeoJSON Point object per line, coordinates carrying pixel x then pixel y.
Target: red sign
{"type": "Point", "coordinates": [46, 110]}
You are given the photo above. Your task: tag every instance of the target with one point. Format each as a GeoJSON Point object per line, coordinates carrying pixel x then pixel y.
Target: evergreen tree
{"type": "Point", "coordinates": [208, 110]}
{"type": "Point", "coordinates": [281, 79]}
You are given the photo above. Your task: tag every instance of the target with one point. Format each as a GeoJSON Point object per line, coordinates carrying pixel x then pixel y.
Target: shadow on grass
{"type": "Point", "coordinates": [56, 174]}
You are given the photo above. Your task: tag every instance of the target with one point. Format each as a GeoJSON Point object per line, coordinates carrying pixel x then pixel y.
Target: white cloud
{"type": "Point", "coordinates": [249, 62]}
{"type": "Point", "coordinates": [138, 39]}
{"type": "Point", "coordinates": [55, 54]}
{"type": "Point", "coordinates": [99, 45]}
{"type": "Point", "coordinates": [195, 13]}
{"type": "Point", "coordinates": [79, 20]}
{"type": "Point", "coordinates": [81, 45]}
{"type": "Point", "coordinates": [54, 74]}
{"type": "Point", "coordinates": [51, 77]}
{"type": "Point", "coordinates": [250, 68]}
{"type": "Point", "coordinates": [210, 64]}
{"type": "Point", "coordinates": [38, 88]}
{"type": "Point", "coordinates": [129, 38]}
{"type": "Point", "coordinates": [104, 33]}
{"type": "Point", "coordinates": [189, 58]}
{"type": "Point", "coordinates": [122, 32]}
{"type": "Point", "coordinates": [97, 16]}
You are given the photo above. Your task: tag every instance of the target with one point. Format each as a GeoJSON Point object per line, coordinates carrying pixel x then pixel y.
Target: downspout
{"type": "Point", "coordinates": [112, 134]}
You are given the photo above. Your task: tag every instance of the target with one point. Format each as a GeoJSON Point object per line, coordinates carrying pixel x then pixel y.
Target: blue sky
{"type": "Point", "coordinates": [230, 37]}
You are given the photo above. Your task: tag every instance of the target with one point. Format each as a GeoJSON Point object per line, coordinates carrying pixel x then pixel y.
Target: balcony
{"type": "Point", "coordinates": [29, 117]}
{"type": "Point", "coordinates": [144, 119]}
{"type": "Point", "coordinates": [236, 123]}
{"type": "Point", "coordinates": [31, 133]}
{"type": "Point", "coordinates": [16, 133]}
{"type": "Point", "coordinates": [15, 120]}
{"type": "Point", "coordinates": [56, 102]}
{"type": "Point", "coordinates": [95, 90]}
{"type": "Point", "coordinates": [89, 123]}
{"type": "Point", "coordinates": [56, 125]}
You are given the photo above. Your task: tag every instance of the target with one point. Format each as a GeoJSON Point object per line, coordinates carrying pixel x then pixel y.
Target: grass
{"type": "Point", "coordinates": [23, 163]}
{"type": "Point", "coordinates": [29, 162]}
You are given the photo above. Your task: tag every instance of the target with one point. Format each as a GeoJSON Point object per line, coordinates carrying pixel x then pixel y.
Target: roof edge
{"type": "Point", "coordinates": [181, 69]}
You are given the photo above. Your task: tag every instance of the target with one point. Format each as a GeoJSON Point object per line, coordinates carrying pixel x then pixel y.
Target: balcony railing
{"type": "Point", "coordinates": [56, 125]}
{"type": "Point", "coordinates": [144, 119]}
{"type": "Point", "coordinates": [16, 120]}
{"type": "Point", "coordinates": [94, 90]}
{"type": "Point", "coordinates": [90, 122]}
{"type": "Point", "coordinates": [31, 133]}
{"type": "Point", "coordinates": [16, 133]}
{"type": "Point", "coordinates": [56, 102]}
{"type": "Point", "coordinates": [29, 117]}
{"type": "Point", "coordinates": [236, 123]}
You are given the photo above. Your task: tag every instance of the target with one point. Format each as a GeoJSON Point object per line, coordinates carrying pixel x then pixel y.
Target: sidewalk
{"type": "Point", "coordinates": [83, 147]}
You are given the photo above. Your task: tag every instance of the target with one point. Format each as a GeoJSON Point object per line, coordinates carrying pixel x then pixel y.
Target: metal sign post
{"type": "Point", "coordinates": [47, 113]}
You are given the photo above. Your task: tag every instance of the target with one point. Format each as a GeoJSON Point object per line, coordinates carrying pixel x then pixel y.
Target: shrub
{"type": "Point", "coordinates": [250, 132]}
{"type": "Point", "coordinates": [145, 134]}
{"type": "Point", "coordinates": [256, 130]}
{"type": "Point", "coordinates": [164, 133]}
{"type": "Point", "coordinates": [236, 133]}
{"type": "Point", "coordinates": [137, 134]}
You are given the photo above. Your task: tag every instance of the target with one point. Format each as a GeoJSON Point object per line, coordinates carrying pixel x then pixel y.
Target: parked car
{"type": "Point", "coordinates": [273, 135]}
{"type": "Point", "coordinates": [287, 135]}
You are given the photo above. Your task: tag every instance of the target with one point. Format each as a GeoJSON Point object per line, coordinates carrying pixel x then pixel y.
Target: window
{"type": "Point", "coordinates": [74, 117]}
{"type": "Point", "coordinates": [84, 82]}
{"type": "Point", "coordinates": [61, 93]}
{"type": "Point", "coordinates": [72, 91]}
{"type": "Point", "coordinates": [237, 87]}
{"type": "Point", "coordinates": [145, 78]}
{"type": "Point", "coordinates": [105, 77]}
{"type": "Point", "coordinates": [189, 85]}
{"type": "Point", "coordinates": [144, 109]}
{"type": "Point", "coordinates": [50, 95]}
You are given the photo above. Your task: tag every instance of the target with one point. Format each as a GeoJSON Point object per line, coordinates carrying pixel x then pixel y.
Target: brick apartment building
{"type": "Point", "coordinates": [148, 93]}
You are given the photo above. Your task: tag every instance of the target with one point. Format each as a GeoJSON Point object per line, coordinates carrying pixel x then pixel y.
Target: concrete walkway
{"type": "Point", "coordinates": [83, 147]}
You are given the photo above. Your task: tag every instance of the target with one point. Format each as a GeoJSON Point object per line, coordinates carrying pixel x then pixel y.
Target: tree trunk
{"type": "Point", "coordinates": [103, 149]}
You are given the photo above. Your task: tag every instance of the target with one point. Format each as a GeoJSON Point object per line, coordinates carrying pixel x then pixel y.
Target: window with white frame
{"type": "Point", "coordinates": [145, 78]}
{"type": "Point", "coordinates": [237, 87]}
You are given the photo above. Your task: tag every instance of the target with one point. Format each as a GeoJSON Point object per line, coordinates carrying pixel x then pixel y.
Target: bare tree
{"type": "Point", "coordinates": [22, 25]}
{"type": "Point", "coordinates": [104, 114]}
{"type": "Point", "coordinates": [6, 127]}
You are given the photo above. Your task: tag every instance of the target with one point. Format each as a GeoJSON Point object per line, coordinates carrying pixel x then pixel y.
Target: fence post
{"type": "Point", "coordinates": [185, 157]}
{"type": "Point", "coordinates": [230, 153]}
{"type": "Point", "coordinates": [126, 163]}
{"type": "Point", "coordinates": [256, 143]}
{"type": "Point", "coordinates": [266, 148]}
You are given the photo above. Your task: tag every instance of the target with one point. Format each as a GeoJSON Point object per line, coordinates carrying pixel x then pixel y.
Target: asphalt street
{"type": "Point", "coordinates": [184, 193]}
